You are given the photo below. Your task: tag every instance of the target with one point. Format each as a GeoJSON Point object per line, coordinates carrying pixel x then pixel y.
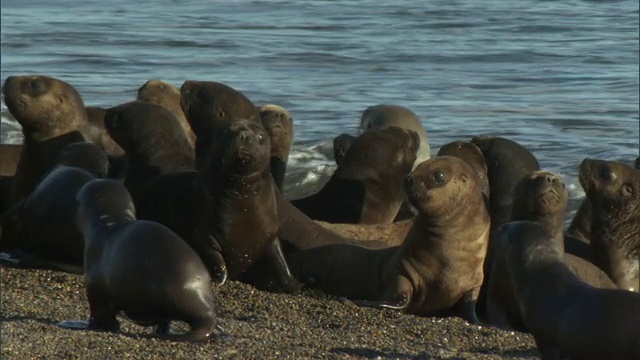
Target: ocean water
{"type": "Point", "coordinates": [560, 77]}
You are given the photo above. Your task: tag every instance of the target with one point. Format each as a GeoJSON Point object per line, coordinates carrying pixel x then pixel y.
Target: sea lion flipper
{"type": "Point", "coordinates": [467, 306]}
{"type": "Point", "coordinates": [276, 259]}
{"type": "Point", "coordinates": [74, 324]}
{"type": "Point", "coordinates": [400, 301]}
{"type": "Point", "coordinates": [219, 272]}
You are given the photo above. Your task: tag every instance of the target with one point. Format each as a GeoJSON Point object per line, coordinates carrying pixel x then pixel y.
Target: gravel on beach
{"type": "Point", "coordinates": [253, 325]}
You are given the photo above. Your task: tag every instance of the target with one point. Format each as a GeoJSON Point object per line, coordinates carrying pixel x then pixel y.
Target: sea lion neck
{"type": "Point", "coordinates": [553, 223]}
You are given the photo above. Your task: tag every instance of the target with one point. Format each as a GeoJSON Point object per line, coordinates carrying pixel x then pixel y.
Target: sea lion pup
{"type": "Point", "coordinates": [42, 225]}
{"type": "Point", "coordinates": [472, 154]}
{"type": "Point", "coordinates": [279, 125]}
{"type": "Point", "coordinates": [48, 110]}
{"type": "Point", "coordinates": [381, 116]}
{"type": "Point", "coordinates": [567, 317]}
{"type": "Point", "coordinates": [367, 187]}
{"type": "Point", "coordinates": [168, 96]}
{"type": "Point", "coordinates": [227, 210]}
{"type": "Point", "coordinates": [341, 144]}
{"type": "Point", "coordinates": [542, 198]}
{"type": "Point", "coordinates": [139, 267]}
{"type": "Point", "coordinates": [153, 140]}
{"type": "Point", "coordinates": [437, 267]}
{"type": "Point", "coordinates": [507, 163]}
{"type": "Point", "coordinates": [210, 105]}
{"type": "Point", "coordinates": [613, 189]}
{"type": "Point", "coordinates": [580, 227]}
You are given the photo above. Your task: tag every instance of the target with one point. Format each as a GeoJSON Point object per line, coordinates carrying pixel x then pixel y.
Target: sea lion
{"type": "Point", "coordinates": [580, 226]}
{"type": "Point", "coordinates": [42, 224]}
{"type": "Point", "coordinates": [227, 210]}
{"type": "Point", "coordinates": [98, 132]}
{"type": "Point", "coordinates": [439, 264]}
{"type": "Point", "coordinates": [507, 163]}
{"type": "Point", "coordinates": [152, 137]}
{"type": "Point", "coordinates": [279, 125]}
{"type": "Point", "coordinates": [383, 115]}
{"type": "Point", "coordinates": [48, 110]}
{"type": "Point", "coordinates": [341, 144]}
{"type": "Point", "coordinates": [613, 189]}
{"type": "Point", "coordinates": [567, 317]}
{"type": "Point", "coordinates": [540, 197]}
{"type": "Point", "coordinates": [168, 96]}
{"type": "Point", "coordinates": [472, 154]}
{"type": "Point", "coordinates": [210, 105]}
{"type": "Point", "coordinates": [371, 235]}
{"type": "Point", "coordinates": [367, 187]}
{"type": "Point", "coordinates": [139, 267]}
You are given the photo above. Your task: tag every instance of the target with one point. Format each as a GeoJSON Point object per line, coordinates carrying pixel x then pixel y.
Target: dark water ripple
{"type": "Point", "coordinates": [561, 77]}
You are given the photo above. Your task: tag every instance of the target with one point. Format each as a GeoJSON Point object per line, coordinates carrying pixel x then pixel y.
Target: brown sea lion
{"type": "Point", "coordinates": [580, 226]}
{"type": "Point", "coordinates": [209, 106]}
{"type": "Point", "coordinates": [341, 144]}
{"type": "Point", "coordinates": [152, 137]}
{"type": "Point", "coordinates": [567, 317]}
{"type": "Point", "coordinates": [613, 189]}
{"type": "Point", "coordinates": [168, 96]}
{"type": "Point", "coordinates": [437, 267]}
{"type": "Point", "coordinates": [279, 125]}
{"type": "Point", "coordinates": [227, 210]}
{"type": "Point", "coordinates": [507, 163]}
{"type": "Point", "coordinates": [371, 235]}
{"type": "Point", "coordinates": [367, 187]}
{"type": "Point", "coordinates": [43, 224]}
{"type": "Point", "coordinates": [540, 197]}
{"type": "Point", "coordinates": [381, 116]}
{"type": "Point", "coordinates": [472, 154]}
{"type": "Point", "coordinates": [48, 110]}
{"type": "Point", "coordinates": [139, 267]}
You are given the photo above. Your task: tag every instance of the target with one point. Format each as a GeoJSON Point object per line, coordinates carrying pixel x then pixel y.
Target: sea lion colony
{"type": "Point", "coordinates": [201, 169]}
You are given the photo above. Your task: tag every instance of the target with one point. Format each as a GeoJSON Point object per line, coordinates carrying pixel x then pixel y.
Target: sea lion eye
{"type": "Point", "coordinates": [36, 86]}
{"type": "Point", "coordinates": [439, 177]}
{"type": "Point", "coordinates": [261, 139]}
{"type": "Point", "coordinates": [605, 173]}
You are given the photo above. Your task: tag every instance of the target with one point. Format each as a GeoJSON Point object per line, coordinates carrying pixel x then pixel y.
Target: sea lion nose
{"type": "Point", "coordinates": [245, 136]}
{"type": "Point", "coordinates": [551, 178]}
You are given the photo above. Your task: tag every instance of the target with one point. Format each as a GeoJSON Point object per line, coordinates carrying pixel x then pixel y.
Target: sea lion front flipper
{"type": "Point", "coordinates": [218, 270]}
{"type": "Point", "coordinates": [287, 282]}
{"type": "Point", "coordinates": [74, 324]}
{"type": "Point", "coordinates": [467, 306]}
{"type": "Point", "coordinates": [401, 302]}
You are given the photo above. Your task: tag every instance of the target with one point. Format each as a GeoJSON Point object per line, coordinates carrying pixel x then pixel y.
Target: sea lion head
{"type": "Point", "coordinates": [86, 156]}
{"type": "Point", "coordinates": [156, 91]}
{"type": "Point", "coordinates": [612, 184]}
{"type": "Point", "coordinates": [278, 123]}
{"type": "Point", "coordinates": [472, 154]}
{"type": "Point", "coordinates": [104, 200]}
{"type": "Point", "coordinates": [210, 105]}
{"type": "Point", "coordinates": [240, 150]}
{"type": "Point", "coordinates": [442, 184]}
{"type": "Point", "coordinates": [147, 130]}
{"type": "Point", "coordinates": [507, 163]}
{"type": "Point", "coordinates": [541, 193]}
{"type": "Point", "coordinates": [341, 144]}
{"type": "Point", "coordinates": [97, 133]}
{"type": "Point", "coordinates": [45, 107]}
{"type": "Point", "coordinates": [380, 154]}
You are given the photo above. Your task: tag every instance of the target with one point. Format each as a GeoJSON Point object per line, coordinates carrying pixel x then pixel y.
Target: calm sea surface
{"type": "Point", "coordinates": [561, 77]}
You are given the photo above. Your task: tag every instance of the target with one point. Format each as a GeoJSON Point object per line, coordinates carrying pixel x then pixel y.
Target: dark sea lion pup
{"type": "Point", "coordinates": [613, 190]}
{"type": "Point", "coordinates": [209, 105]}
{"type": "Point", "coordinates": [567, 317]}
{"type": "Point", "coordinates": [341, 144]}
{"type": "Point", "coordinates": [542, 198]}
{"type": "Point", "coordinates": [168, 96]}
{"type": "Point", "coordinates": [227, 210]}
{"type": "Point", "coordinates": [439, 264]}
{"type": "Point", "coordinates": [279, 125]}
{"type": "Point", "coordinates": [367, 187]}
{"type": "Point", "coordinates": [42, 225]}
{"type": "Point", "coordinates": [139, 267]}
{"type": "Point", "coordinates": [153, 140]}
{"type": "Point", "coordinates": [98, 132]}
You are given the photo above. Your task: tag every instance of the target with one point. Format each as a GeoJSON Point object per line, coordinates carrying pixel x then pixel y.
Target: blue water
{"type": "Point", "coordinates": [561, 77]}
